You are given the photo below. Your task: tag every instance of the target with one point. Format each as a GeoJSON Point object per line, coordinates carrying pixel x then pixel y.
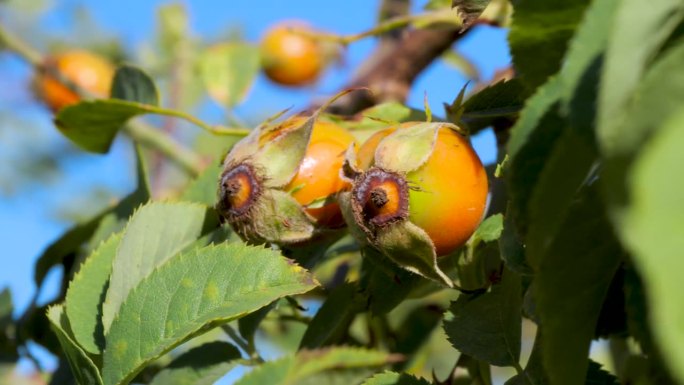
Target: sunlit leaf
{"type": "Point", "coordinates": [228, 71]}
{"type": "Point", "coordinates": [86, 294]}
{"type": "Point", "coordinates": [649, 24]}
{"type": "Point", "coordinates": [155, 233]}
{"type": "Point", "coordinates": [194, 291]}
{"type": "Point", "coordinates": [93, 124]}
{"type": "Point", "coordinates": [83, 368]}
{"type": "Point", "coordinates": [651, 222]}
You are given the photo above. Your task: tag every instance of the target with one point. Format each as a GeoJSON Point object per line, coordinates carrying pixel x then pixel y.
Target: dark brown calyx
{"type": "Point", "coordinates": [380, 197]}
{"type": "Point", "coordinates": [240, 188]}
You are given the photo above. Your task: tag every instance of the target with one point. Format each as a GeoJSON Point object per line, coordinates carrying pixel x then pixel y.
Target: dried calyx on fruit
{"type": "Point", "coordinates": [419, 192]}
{"type": "Point", "coordinates": [279, 183]}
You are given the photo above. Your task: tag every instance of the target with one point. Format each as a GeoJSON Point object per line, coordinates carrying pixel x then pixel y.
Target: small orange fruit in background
{"type": "Point", "coordinates": [447, 194]}
{"type": "Point", "coordinates": [86, 70]}
{"type": "Point", "coordinates": [291, 58]}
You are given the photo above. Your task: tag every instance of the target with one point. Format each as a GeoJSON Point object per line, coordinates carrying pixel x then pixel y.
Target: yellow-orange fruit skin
{"type": "Point", "coordinates": [319, 172]}
{"type": "Point", "coordinates": [449, 192]}
{"type": "Point", "coordinates": [290, 58]}
{"type": "Point", "coordinates": [89, 71]}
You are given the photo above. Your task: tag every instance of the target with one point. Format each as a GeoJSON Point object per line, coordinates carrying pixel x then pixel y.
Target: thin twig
{"type": "Point", "coordinates": [184, 157]}
{"type": "Point", "coordinates": [391, 75]}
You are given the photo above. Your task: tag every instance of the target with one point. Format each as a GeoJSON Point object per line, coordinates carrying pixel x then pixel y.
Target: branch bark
{"type": "Point", "coordinates": [391, 72]}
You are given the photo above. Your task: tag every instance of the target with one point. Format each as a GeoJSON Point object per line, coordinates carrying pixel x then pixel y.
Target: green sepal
{"type": "Point", "coordinates": [344, 199]}
{"type": "Point", "coordinates": [277, 218]}
{"type": "Point", "coordinates": [408, 148]}
{"type": "Point", "coordinates": [280, 158]}
{"type": "Point", "coordinates": [410, 247]}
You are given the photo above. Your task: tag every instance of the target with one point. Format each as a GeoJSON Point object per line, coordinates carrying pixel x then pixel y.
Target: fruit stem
{"type": "Point", "coordinates": [20, 47]}
{"type": "Point", "coordinates": [207, 127]}
{"type": "Point", "coordinates": [379, 29]}
{"type": "Point", "coordinates": [147, 135]}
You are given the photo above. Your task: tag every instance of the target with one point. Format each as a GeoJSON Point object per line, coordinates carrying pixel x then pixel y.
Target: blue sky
{"type": "Point", "coordinates": [27, 219]}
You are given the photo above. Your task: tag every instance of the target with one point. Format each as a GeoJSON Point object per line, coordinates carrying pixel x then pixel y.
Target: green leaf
{"type": "Point", "coordinates": [173, 28]}
{"type": "Point", "coordinates": [539, 36]}
{"type": "Point", "coordinates": [660, 96]}
{"type": "Point", "coordinates": [392, 112]}
{"type": "Point", "coordinates": [469, 10]}
{"type": "Point", "coordinates": [228, 71]}
{"type": "Point", "coordinates": [598, 376]}
{"type": "Point", "coordinates": [536, 107]}
{"type": "Point", "coordinates": [415, 331]}
{"type": "Point", "coordinates": [504, 99]}
{"type": "Point", "coordinates": [8, 343]}
{"type": "Point", "coordinates": [649, 24]}
{"type": "Point", "coordinates": [392, 378]}
{"type": "Point", "coordinates": [534, 370]}
{"type": "Point", "coordinates": [410, 247]}
{"type": "Point", "coordinates": [464, 65]}
{"type": "Point", "coordinates": [134, 85]}
{"type": "Point", "coordinates": [407, 149]}
{"type": "Point", "coordinates": [203, 365]}
{"type": "Point", "coordinates": [307, 363]}
{"type": "Point", "coordinates": [6, 308]}
{"type": "Point", "coordinates": [651, 222]}
{"type": "Point", "coordinates": [384, 283]}
{"type": "Point", "coordinates": [82, 366]}
{"type": "Point", "coordinates": [214, 147]}
{"type": "Point", "coordinates": [95, 230]}
{"type": "Point", "coordinates": [203, 188]}
{"type": "Point", "coordinates": [249, 324]}
{"type": "Point", "coordinates": [490, 229]}
{"type": "Point", "coordinates": [567, 168]}
{"type": "Point", "coordinates": [530, 155]}
{"type": "Point", "coordinates": [332, 320]}
{"type": "Point", "coordinates": [86, 295]}
{"type": "Point", "coordinates": [155, 233]}
{"type": "Point", "coordinates": [512, 249]}
{"type": "Point", "coordinates": [93, 125]}
{"type": "Point", "coordinates": [585, 48]}
{"type": "Point", "coordinates": [571, 282]}
{"type": "Point", "coordinates": [437, 4]}
{"type": "Point", "coordinates": [488, 326]}
{"type": "Point", "coordinates": [191, 293]}
{"type": "Point", "coordinates": [68, 244]}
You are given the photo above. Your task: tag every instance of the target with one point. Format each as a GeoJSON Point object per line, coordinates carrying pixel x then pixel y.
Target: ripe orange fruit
{"type": "Point", "coordinates": [291, 58]}
{"type": "Point", "coordinates": [447, 195]}
{"type": "Point", "coordinates": [87, 70]}
{"type": "Point", "coordinates": [318, 176]}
